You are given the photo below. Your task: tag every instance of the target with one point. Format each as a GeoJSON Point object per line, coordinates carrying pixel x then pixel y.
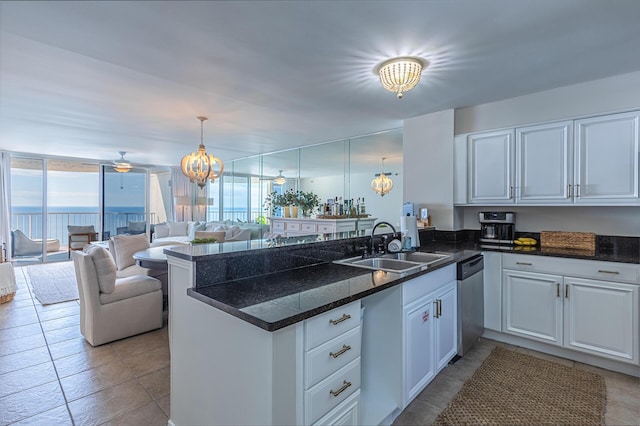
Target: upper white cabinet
{"type": "Point", "coordinates": [544, 159]}
{"type": "Point", "coordinates": [606, 165]}
{"type": "Point", "coordinates": [591, 161]}
{"type": "Point", "coordinates": [491, 171]}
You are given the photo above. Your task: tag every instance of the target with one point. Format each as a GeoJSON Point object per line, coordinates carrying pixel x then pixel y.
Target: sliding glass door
{"type": "Point", "coordinates": [124, 202]}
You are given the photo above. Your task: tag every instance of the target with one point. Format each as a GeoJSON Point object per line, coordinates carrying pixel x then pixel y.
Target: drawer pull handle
{"type": "Point", "coordinates": [342, 389]}
{"type": "Point", "coordinates": [604, 271]}
{"type": "Point", "coordinates": [566, 292]}
{"type": "Point", "coordinates": [338, 321]}
{"type": "Point", "coordinates": [524, 263]}
{"type": "Point", "coordinates": [557, 289]}
{"type": "Point", "coordinates": [341, 351]}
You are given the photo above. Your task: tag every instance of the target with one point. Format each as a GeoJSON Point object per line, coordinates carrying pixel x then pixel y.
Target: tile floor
{"type": "Point", "coordinates": [623, 392]}
{"type": "Point", "coordinates": [50, 376]}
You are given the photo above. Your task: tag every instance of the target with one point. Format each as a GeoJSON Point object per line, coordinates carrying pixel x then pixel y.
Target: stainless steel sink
{"type": "Point", "coordinates": [417, 256]}
{"type": "Point", "coordinates": [395, 262]}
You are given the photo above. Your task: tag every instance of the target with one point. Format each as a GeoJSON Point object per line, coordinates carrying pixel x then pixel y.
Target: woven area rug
{"type": "Point", "coordinates": [53, 282]}
{"type": "Point", "coordinates": [511, 388]}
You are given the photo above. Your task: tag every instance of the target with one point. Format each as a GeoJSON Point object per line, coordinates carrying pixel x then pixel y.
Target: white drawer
{"type": "Point", "coordinates": [345, 414]}
{"type": "Point", "coordinates": [345, 227]}
{"type": "Point", "coordinates": [326, 359]}
{"type": "Point", "coordinates": [309, 227]}
{"type": "Point", "coordinates": [292, 226]}
{"type": "Point", "coordinates": [277, 226]}
{"type": "Point", "coordinates": [330, 392]}
{"type": "Point", "coordinates": [328, 325]}
{"type": "Point", "coordinates": [593, 269]}
{"type": "Point", "coordinates": [325, 229]}
{"type": "Point", "coordinates": [420, 286]}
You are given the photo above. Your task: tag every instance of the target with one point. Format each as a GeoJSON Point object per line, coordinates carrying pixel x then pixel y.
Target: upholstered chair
{"type": "Point", "coordinates": [123, 247]}
{"type": "Point", "coordinates": [80, 236]}
{"type": "Point", "coordinates": [25, 246]}
{"type": "Point", "coordinates": [110, 308]}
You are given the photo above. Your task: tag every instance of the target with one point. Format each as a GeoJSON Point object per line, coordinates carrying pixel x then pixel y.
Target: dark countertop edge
{"type": "Point", "coordinates": [277, 325]}
{"type": "Point", "coordinates": [568, 254]}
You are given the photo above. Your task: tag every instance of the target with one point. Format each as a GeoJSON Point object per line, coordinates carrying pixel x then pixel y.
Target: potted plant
{"type": "Point", "coordinates": [273, 201]}
{"type": "Point", "coordinates": [308, 202]}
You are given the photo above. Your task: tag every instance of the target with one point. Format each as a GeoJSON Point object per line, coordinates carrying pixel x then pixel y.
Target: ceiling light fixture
{"type": "Point", "coordinates": [382, 183]}
{"type": "Point", "coordinates": [121, 165]}
{"type": "Point", "coordinates": [280, 179]}
{"type": "Point", "coordinates": [401, 74]}
{"type": "Point", "coordinates": [199, 167]}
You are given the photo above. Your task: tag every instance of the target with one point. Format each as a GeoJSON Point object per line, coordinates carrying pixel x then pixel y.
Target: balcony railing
{"type": "Point", "coordinates": [31, 223]}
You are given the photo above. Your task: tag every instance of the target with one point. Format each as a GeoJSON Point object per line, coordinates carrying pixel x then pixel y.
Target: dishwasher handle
{"type": "Point", "coordinates": [469, 267]}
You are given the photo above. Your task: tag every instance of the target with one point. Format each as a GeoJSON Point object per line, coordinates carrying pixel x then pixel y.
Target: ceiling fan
{"type": "Point", "coordinates": [278, 180]}
{"type": "Point", "coordinates": [122, 165]}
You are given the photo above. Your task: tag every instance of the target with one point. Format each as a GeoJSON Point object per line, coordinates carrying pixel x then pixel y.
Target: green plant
{"type": "Point", "coordinates": [308, 202]}
{"type": "Point", "coordinates": [273, 201]}
{"type": "Point", "coordinates": [203, 241]}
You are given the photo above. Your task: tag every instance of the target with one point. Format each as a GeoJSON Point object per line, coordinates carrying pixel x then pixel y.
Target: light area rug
{"type": "Point", "coordinates": [53, 282]}
{"type": "Point", "coordinates": [511, 388]}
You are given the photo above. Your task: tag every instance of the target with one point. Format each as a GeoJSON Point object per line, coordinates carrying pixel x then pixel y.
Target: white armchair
{"type": "Point", "coordinates": [113, 309]}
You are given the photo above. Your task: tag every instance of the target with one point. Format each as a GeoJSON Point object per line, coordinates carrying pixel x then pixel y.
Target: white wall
{"type": "Point", "coordinates": [591, 98]}
{"type": "Point", "coordinates": [428, 165]}
{"type": "Point", "coordinates": [621, 221]}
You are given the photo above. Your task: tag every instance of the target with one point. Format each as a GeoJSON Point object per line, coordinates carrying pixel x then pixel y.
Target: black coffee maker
{"type": "Point", "coordinates": [497, 227]}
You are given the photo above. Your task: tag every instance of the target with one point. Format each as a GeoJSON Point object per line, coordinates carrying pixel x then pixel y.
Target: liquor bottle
{"type": "Point", "coordinates": [363, 209]}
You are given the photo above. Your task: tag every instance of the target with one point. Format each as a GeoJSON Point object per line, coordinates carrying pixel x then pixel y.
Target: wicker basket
{"type": "Point", "coordinates": [7, 297]}
{"type": "Point", "coordinates": [568, 240]}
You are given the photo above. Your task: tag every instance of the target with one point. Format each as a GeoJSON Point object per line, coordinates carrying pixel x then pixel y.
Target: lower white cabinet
{"type": "Point", "coordinates": [601, 318]}
{"type": "Point", "coordinates": [347, 413]}
{"type": "Point", "coordinates": [429, 329]}
{"type": "Point", "coordinates": [593, 316]}
{"type": "Point", "coordinates": [492, 290]}
{"type": "Point", "coordinates": [533, 305]}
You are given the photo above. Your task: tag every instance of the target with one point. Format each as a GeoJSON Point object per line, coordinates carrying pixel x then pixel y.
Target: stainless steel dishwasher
{"type": "Point", "coordinates": [470, 302]}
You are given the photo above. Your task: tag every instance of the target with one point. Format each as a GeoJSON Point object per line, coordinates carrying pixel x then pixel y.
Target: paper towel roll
{"type": "Point", "coordinates": [409, 228]}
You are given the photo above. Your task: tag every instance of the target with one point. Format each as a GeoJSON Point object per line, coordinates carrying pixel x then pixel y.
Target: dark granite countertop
{"type": "Point", "coordinates": [276, 300]}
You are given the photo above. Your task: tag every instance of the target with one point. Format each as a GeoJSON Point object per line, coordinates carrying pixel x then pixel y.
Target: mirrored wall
{"type": "Point", "coordinates": [342, 169]}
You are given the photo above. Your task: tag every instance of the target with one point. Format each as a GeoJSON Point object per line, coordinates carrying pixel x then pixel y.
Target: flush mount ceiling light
{"type": "Point", "coordinates": [280, 179]}
{"type": "Point", "coordinates": [199, 166]}
{"type": "Point", "coordinates": [121, 165]}
{"type": "Point", "coordinates": [382, 183]}
{"type": "Point", "coordinates": [399, 75]}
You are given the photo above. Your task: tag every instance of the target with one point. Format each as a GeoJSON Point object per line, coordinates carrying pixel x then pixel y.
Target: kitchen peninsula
{"type": "Point", "coordinates": [277, 335]}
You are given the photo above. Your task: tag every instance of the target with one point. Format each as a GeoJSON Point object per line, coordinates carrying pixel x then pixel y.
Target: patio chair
{"type": "Point", "coordinates": [80, 236]}
{"type": "Point", "coordinates": [25, 246]}
{"type": "Point", "coordinates": [132, 228]}
{"type": "Point", "coordinates": [110, 308]}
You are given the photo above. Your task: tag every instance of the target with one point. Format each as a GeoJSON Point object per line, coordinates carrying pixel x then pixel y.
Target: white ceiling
{"type": "Point", "coordinates": [88, 79]}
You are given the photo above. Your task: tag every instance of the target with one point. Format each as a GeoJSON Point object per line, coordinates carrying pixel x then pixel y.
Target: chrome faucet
{"type": "Point", "coordinates": [374, 230]}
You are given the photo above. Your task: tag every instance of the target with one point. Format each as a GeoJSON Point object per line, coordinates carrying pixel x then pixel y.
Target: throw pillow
{"type": "Point", "coordinates": [125, 246]}
{"type": "Point", "coordinates": [105, 268]}
{"type": "Point", "coordinates": [196, 228]}
{"type": "Point", "coordinates": [161, 230]}
{"type": "Point", "coordinates": [177, 229]}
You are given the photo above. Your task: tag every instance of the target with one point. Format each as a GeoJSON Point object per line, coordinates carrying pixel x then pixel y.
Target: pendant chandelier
{"type": "Point", "coordinates": [200, 166]}
{"type": "Point", "coordinates": [121, 165]}
{"type": "Point", "coordinates": [401, 74]}
{"type": "Point", "coordinates": [382, 183]}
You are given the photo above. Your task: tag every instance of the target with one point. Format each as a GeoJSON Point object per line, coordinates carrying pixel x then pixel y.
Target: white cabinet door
{"type": "Point", "coordinates": [446, 336]}
{"type": "Point", "coordinates": [492, 290]}
{"type": "Point", "coordinates": [460, 170]}
{"type": "Point", "coordinates": [606, 159]}
{"type": "Point", "coordinates": [491, 167]}
{"type": "Point", "coordinates": [602, 318]}
{"type": "Point", "coordinates": [419, 365]}
{"type": "Point", "coordinates": [544, 156]}
{"type": "Point", "coordinates": [533, 305]}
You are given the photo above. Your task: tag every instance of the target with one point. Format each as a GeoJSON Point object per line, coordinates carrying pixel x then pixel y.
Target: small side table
{"type": "Point", "coordinates": [8, 285]}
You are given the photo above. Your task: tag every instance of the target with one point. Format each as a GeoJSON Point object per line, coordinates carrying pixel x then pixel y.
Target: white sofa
{"type": "Point", "coordinates": [185, 232]}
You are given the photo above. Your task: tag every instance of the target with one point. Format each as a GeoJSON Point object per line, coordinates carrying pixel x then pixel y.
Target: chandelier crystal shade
{"type": "Point", "coordinates": [382, 183]}
{"type": "Point", "coordinates": [200, 166]}
{"type": "Point", "coordinates": [399, 75]}
{"type": "Point", "coordinates": [121, 165]}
